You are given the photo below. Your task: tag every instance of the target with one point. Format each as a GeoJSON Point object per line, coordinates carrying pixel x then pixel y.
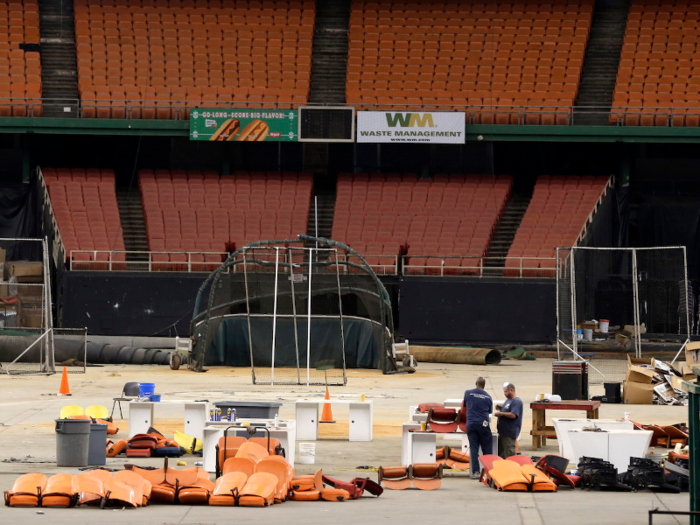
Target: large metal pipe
{"type": "Point", "coordinates": [458, 355]}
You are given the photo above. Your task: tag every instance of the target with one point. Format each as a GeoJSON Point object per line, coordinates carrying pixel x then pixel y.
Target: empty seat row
{"type": "Point", "coordinates": [398, 213]}
{"type": "Point", "coordinates": [186, 207]}
{"type": "Point", "coordinates": [215, 45]}
{"type": "Point", "coordinates": [20, 70]}
{"type": "Point", "coordinates": [559, 211]}
{"type": "Point", "coordinates": [85, 206]}
{"type": "Point", "coordinates": [452, 48]}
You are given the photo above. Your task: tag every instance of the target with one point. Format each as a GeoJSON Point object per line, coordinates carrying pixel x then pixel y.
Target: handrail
{"type": "Point", "coordinates": [664, 116]}
{"type": "Point", "coordinates": [401, 265]}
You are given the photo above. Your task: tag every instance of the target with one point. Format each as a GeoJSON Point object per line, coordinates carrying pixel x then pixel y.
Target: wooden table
{"type": "Point", "coordinates": [540, 431]}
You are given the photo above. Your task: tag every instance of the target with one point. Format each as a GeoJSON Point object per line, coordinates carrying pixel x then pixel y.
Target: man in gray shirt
{"type": "Point", "coordinates": [510, 420]}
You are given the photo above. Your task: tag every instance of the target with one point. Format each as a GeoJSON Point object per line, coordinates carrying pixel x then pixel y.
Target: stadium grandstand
{"type": "Point", "coordinates": [443, 140]}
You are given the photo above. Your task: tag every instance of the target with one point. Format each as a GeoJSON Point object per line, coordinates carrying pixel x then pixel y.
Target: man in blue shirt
{"type": "Point", "coordinates": [479, 405]}
{"type": "Point", "coordinates": [510, 419]}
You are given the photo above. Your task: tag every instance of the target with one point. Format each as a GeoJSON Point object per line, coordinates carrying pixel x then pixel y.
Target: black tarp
{"type": "Point", "coordinates": [18, 211]}
{"type": "Point", "coordinates": [231, 345]}
{"type": "Point", "coordinates": [672, 222]}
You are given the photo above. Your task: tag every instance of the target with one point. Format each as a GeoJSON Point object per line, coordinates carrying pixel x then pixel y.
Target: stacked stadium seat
{"type": "Point", "coordinates": [194, 211]}
{"type": "Point", "coordinates": [560, 209]}
{"type": "Point", "coordinates": [452, 54]}
{"type": "Point", "coordinates": [153, 58]}
{"type": "Point", "coordinates": [20, 70]}
{"type": "Point", "coordinates": [383, 216]}
{"type": "Point", "coordinates": [658, 82]}
{"type": "Point", "coordinates": [85, 205]}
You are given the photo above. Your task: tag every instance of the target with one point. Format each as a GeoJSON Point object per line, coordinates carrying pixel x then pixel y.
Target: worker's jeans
{"type": "Point", "coordinates": [479, 436]}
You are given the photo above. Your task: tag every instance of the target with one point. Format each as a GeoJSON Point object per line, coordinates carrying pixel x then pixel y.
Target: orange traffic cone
{"type": "Point", "coordinates": [327, 415]}
{"type": "Point", "coordinates": [65, 389]}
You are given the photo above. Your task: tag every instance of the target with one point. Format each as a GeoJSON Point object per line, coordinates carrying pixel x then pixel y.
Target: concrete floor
{"type": "Point", "coordinates": [29, 406]}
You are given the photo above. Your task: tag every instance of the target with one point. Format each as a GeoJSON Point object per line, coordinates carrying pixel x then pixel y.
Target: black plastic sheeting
{"type": "Point", "coordinates": [488, 310]}
{"type": "Point", "coordinates": [71, 348]}
{"type": "Point", "coordinates": [231, 345]}
{"type": "Point", "coordinates": [18, 212]}
{"type": "Point", "coordinates": [129, 355]}
{"type": "Point", "coordinates": [672, 221]}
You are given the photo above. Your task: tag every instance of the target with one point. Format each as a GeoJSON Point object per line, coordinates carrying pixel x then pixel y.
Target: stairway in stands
{"type": "Point", "coordinates": [330, 52]}
{"type": "Point", "coordinates": [506, 228]}
{"type": "Point", "coordinates": [59, 63]}
{"type": "Point", "coordinates": [601, 62]}
{"type": "Point", "coordinates": [133, 224]}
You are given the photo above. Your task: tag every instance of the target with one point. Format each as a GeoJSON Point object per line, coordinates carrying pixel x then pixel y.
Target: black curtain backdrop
{"type": "Point", "coordinates": [668, 222]}
{"type": "Point", "coordinates": [18, 211]}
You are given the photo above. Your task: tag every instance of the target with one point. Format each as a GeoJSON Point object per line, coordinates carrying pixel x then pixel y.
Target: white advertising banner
{"type": "Point", "coordinates": [399, 126]}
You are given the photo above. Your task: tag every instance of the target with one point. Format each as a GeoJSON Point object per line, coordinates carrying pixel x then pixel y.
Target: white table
{"type": "Point", "coordinates": [563, 425]}
{"type": "Point", "coordinates": [141, 416]}
{"type": "Point", "coordinates": [615, 446]}
{"type": "Point", "coordinates": [307, 416]}
{"type": "Point", "coordinates": [421, 447]}
{"type": "Point", "coordinates": [214, 430]}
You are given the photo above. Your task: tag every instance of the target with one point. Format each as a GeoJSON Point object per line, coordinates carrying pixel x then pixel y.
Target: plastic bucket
{"type": "Point", "coordinates": [604, 325]}
{"type": "Point", "coordinates": [73, 442]}
{"type": "Point", "coordinates": [146, 389]}
{"type": "Point", "coordinates": [307, 453]}
{"type": "Point", "coordinates": [587, 334]}
{"type": "Point", "coordinates": [155, 398]}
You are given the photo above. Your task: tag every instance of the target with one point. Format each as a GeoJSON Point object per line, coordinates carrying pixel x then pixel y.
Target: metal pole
{"type": "Point", "coordinates": [308, 324]}
{"type": "Point", "coordinates": [637, 320]}
{"type": "Point", "coordinates": [685, 283]}
{"type": "Point", "coordinates": [572, 273]}
{"type": "Point", "coordinates": [294, 312]}
{"type": "Point", "coordinates": [247, 309]}
{"type": "Point", "coordinates": [274, 315]}
{"type": "Point", "coordinates": [340, 311]}
{"type": "Point", "coordinates": [316, 220]}
{"type": "Point", "coordinates": [557, 303]}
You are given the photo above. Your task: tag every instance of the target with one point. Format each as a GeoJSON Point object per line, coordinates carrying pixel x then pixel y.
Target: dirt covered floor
{"type": "Point", "coordinates": [29, 406]}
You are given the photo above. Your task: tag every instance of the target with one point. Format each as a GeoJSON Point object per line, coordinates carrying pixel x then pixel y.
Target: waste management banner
{"type": "Point", "coordinates": [244, 125]}
{"type": "Point", "coordinates": [391, 126]}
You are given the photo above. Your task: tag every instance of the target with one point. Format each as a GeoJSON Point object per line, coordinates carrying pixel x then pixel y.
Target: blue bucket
{"type": "Point", "coordinates": [155, 398]}
{"type": "Point", "coordinates": [146, 389]}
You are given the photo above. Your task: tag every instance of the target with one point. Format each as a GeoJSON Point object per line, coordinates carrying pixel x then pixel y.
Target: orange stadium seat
{"type": "Point", "coordinates": [20, 70]}
{"type": "Point", "coordinates": [195, 211]}
{"type": "Point", "coordinates": [435, 222]}
{"type": "Point", "coordinates": [85, 206]}
{"type": "Point", "coordinates": [181, 50]}
{"type": "Point", "coordinates": [657, 82]}
{"type": "Point", "coordinates": [560, 209]}
{"type": "Point", "coordinates": [475, 57]}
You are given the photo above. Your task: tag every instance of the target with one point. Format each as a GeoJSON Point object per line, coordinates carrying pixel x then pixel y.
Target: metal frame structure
{"type": "Point", "coordinates": [46, 363]}
{"type": "Point", "coordinates": [568, 264]}
{"type": "Point", "coordinates": [313, 253]}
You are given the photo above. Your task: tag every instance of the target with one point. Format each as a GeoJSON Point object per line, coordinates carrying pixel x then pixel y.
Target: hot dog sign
{"type": "Point", "coordinates": [243, 125]}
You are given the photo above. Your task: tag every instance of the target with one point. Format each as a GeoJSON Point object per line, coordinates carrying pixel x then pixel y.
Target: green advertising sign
{"type": "Point", "coordinates": [244, 125]}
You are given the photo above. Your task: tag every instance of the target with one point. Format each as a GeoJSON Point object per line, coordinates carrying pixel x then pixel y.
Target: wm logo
{"type": "Point", "coordinates": [409, 120]}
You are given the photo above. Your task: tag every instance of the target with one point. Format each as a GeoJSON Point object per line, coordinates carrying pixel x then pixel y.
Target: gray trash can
{"type": "Point", "coordinates": [97, 454]}
{"type": "Point", "coordinates": [72, 442]}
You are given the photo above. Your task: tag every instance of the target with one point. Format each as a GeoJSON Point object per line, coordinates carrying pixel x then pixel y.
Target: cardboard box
{"type": "Point", "coordinates": [2, 255]}
{"type": "Point", "coordinates": [26, 271]}
{"type": "Point", "coordinates": [688, 374]}
{"type": "Point", "coordinates": [641, 361]}
{"type": "Point", "coordinates": [637, 374]}
{"type": "Point", "coordinates": [638, 393]}
{"type": "Point", "coordinates": [30, 318]}
{"type": "Point", "coordinates": [692, 354]}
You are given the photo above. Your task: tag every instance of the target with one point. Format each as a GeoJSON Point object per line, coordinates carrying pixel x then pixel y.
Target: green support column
{"type": "Point", "coordinates": [693, 390]}
{"type": "Point", "coordinates": [694, 463]}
